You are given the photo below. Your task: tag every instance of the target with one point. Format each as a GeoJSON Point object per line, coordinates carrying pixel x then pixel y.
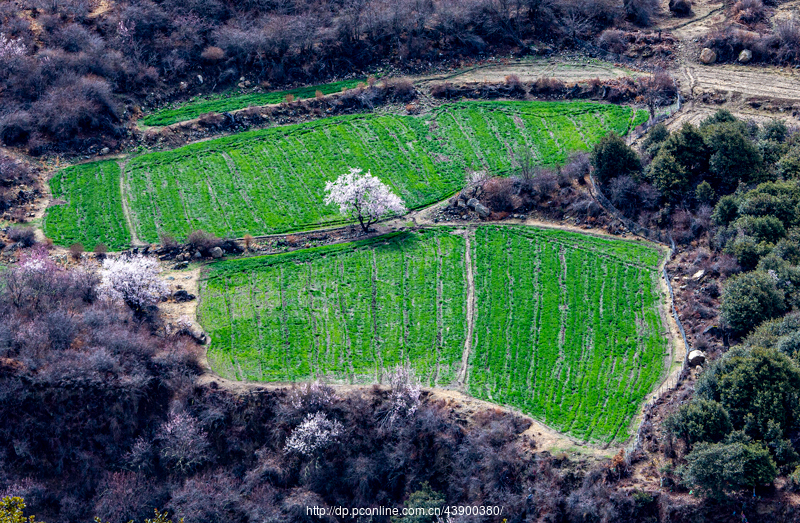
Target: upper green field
{"type": "Point", "coordinates": [92, 212]}
{"type": "Point", "coordinates": [232, 102]}
{"type": "Point", "coordinates": [272, 181]}
{"type": "Point", "coordinates": [566, 326]}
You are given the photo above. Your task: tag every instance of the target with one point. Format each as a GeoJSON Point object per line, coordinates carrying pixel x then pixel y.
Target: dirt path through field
{"type": "Point", "coordinates": [567, 69]}
{"type": "Point", "coordinates": [462, 372]}
{"type": "Point", "coordinates": [545, 437]}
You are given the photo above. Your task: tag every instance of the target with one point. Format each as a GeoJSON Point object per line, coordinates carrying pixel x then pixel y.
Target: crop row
{"type": "Point", "coordinates": [233, 102]}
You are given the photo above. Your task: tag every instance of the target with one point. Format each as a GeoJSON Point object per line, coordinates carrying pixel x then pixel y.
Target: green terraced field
{"type": "Point", "coordinates": [342, 313]}
{"type": "Point", "coordinates": [272, 181]}
{"type": "Point", "coordinates": [92, 213]}
{"type": "Point", "coordinates": [233, 102]}
{"type": "Point", "coordinates": [566, 326]}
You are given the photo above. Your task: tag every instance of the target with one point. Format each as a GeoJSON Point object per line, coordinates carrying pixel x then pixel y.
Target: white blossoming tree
{"type": "Point", "coordinates": [314, 434]}
{"type": "Point", "coordinates": [183, 443]}
{"type": "Point", "coordinates": [405, 396]}
{"type": "Point", "coordinates": [11, 47]}
{"type": "Point", "coordinates": [134, 280]}
{"type": "Point", "coordinates": [363, 197]}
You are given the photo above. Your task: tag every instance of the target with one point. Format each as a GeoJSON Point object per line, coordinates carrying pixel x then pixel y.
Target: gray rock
{"type": "Point", "coordinates": [216, 252]}
{"type": "Point", "coordinates": [460, 203]}
{"type": "Point", "coordinates": [745, 56]}
{"type": "Point", "coordinates": [200, 78]}
{"type": "Point", "coordinates": [180, 265]}
{"type": "Point", "coordinates": [105, 150]}
{"type": "Point", "coordinates": [197, 255]}
{"type": "Point", "coordinates": [697, 357]}
{"type": "Point", "coordinates": [699, 275]}
{"type": "Point", "coordinates": [713, 330]}
{"type": "Point", "coordinates": [482, 210]}
{"type": "Point", "coordinates": [182, 296]}
{"type": "Point", "coordinates": [472, 202]}
{"type": "Point", "coordinates": [707, 56]}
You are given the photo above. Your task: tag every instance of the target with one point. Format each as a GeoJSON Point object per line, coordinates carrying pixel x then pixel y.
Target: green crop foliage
{"type": "Point", "coordinates": [272, 181]}
{"type": "Point", "coordinates": [641, 117]}
{"type": "Point", "coordinates": [566, 326]}
{"type": "Point", "coordinates": [233, 102]}
{"type": "Point", "coordinates": [92, 212]}
{"type": "Point", "coordinates": [341, 313]}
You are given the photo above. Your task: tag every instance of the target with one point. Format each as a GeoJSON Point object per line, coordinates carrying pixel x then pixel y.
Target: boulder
{"type": "Point", "coordinates": [472, 202]}
{"type": "Point", "coordinates": [745, 56]}
{"type": "Point", "coordinates": [216, 252]}
{"type": "Point", "coordinates": [713, 330]}
{"type": "Point", "coordinates": [699, 275]}
{"type": "Point", "coordinates": [197, 255]}
{"type": "Point", "coordinates": [697, 357]}
{"type": "Point", "coordinates": [182, 296]}
{"type": "Point", "coordinates": [707, 56]}
{"type": "Point", "coordinates": [180, 265]}
{"type": "Point", "coordinates": [482, 210]}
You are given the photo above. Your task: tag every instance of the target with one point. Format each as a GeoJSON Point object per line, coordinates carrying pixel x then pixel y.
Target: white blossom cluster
{"type": "Point", "coordinates": [312, 397]}
{"type": "Point", "coordinates": [405, 396]}
{"type": "Point", "coordinates": [363, 197]}
{"type": "Point", "coordinates": [10, 47]}
{"type": "Point", "coordinates": [133, 280]}
{"type": "Point", "coordinates": [315, 433]}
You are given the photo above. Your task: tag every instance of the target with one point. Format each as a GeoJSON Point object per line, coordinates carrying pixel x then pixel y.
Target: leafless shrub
{"type": "Point", "coordinates": [100, 251]}
{"type": "Point", "coordinates": [641, 12]}
{"type": "Point", "coordinates": [202, 241]}
{"type": "Point", "coordinates": [211, 119]}
{"type": "Point", "coordinates": [680, 7]}
{"type": "Point", "coordinates": [613, 40]}
{"type": "Point", "coordinates": [443, 90]}
{"type": "Point", "coordinates": [167, 241]}
{"type": "Point", "coordinates": [76, 250]}
{"type": "Point", "coordinates": [749, 11]}
{"type": "Point", "coordinates": [212, 54]}
{"type": "Point", "coordinates": [788, 32]}
{"type": "Point", "coordinates": [16, 127]}
{"type": "Point", "coordinates": [400, 90]}
{"type": "Point", "coordinates": [498, 193]}
{"type": "Point", "coordinates": [25, 236]}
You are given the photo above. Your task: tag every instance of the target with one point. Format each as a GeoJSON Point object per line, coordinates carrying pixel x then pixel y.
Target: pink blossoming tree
{"type": "Point", "coordinates": [363, 197]}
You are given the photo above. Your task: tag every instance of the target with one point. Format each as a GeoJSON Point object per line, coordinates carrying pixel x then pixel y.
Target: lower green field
{"type": "Point", "coordinates": [341, 313]}
{"type": "Point", "coordinates": [272, 181]}
{"type": "Point", "coordinates": [565, 326]}
{"type": "Point", "coordinates": [232, 102]}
